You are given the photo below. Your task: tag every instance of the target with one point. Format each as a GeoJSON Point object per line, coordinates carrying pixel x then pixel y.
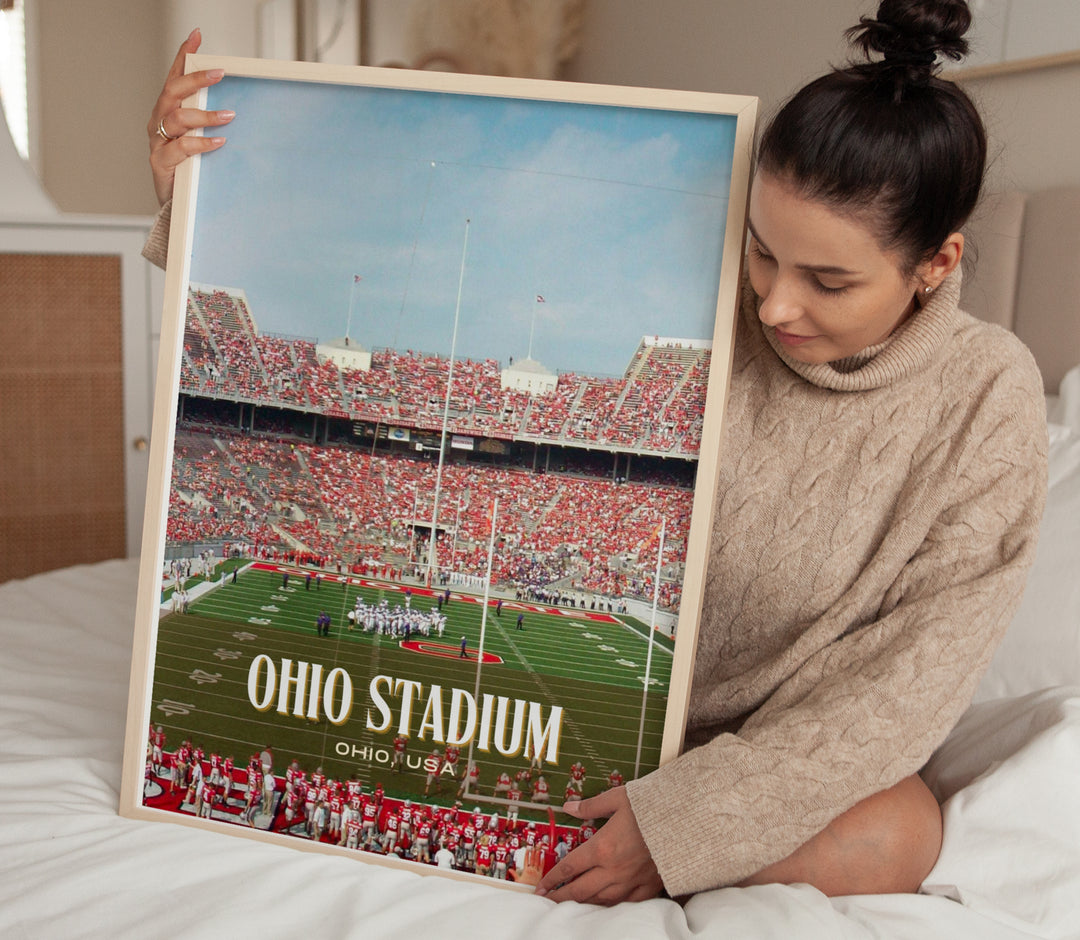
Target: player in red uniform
{"type": "Point", "coordinates": [615, 779]}
{"type": "Point", "coordinates": [502, 785]}
{"type": "Point", "coordinates": [353, 787]}
{"type": "Point", "coordinates": [502, 858]}
{"type": "Point", "coordinates": [294, 802]}
{"type": "Point", "coordinates": [397, 763]}
{"type": "Point", "coordinates": [292, 774]}
{"type": "Point", "coordinates": [514, 796]}
{"type": "Point", "coordinates": [467, 854]}
{"type": "Point", "coordinates": [351, 835]}
{"type": "Point", "coordinates": [450, 760]}
{"type": "Point", "coordinates": [215, 769]}
{"type": "Point", "coordinates": [253, 799]}
{"type": "Point", "coordinates": [337, 808]}
{"type": "Point", "coordinates": [204, 802]}
{"type": "Point", "coordinates": [226, 778]}
{"type": "Point", "coordinates": [470, 780]}
{"type": "Point", "coordinates": [433, 764]}
{"type": "Point", "coordinates": [408, 815]}
{"type": "Point", "coordinates": [157, 749]}
{"type": "Point", "coordinates": [534, 758]}
{"type": "Point", "coordinates": [422, 846]}
{"type": "Point", "coordinates": [540, 793]}
{"type": "Point", "coordinates": [391, 830]}
{"type": "Point", "coordinates": [370, 827]}
{"type": "Point", "coordinates": [483, 860]}
{"type": "Point", "coordinates": [577, 777]}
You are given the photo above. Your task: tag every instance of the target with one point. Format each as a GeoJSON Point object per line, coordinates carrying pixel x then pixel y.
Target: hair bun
{"type": "Point", "coordinates": [913, 33]}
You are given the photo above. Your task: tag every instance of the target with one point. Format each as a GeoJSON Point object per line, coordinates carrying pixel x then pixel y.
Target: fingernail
{"type": "Point", "coordinates": [226, 115]}
{"type": "Point", "coordinates": [216, 74]}
{"type": "Point", "coordinates": [540, 892]}
{"type": "Point", "coordinates": [217, 141]}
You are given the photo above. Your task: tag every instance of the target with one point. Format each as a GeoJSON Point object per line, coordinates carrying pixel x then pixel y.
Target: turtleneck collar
{"type": "Point", "coordinates": [907, 351]}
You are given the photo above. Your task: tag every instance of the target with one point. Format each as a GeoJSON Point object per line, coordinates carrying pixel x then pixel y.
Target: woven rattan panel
{"type": "Point", "coordinates": [61, 412]}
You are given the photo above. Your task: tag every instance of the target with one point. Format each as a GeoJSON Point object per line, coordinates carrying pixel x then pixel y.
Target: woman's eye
{"type": "Point", "coordinates": [824, 289]}
{"type": "Point", "coordinates": [758, 252]}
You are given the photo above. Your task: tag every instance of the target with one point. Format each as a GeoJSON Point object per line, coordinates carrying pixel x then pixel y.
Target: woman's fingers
{"type": "Point", "coordinates": [170, 122]}
{"type": "Point", "coordinates": [179, 122]}
{"type": "Point", "coordinates": [172, 96]}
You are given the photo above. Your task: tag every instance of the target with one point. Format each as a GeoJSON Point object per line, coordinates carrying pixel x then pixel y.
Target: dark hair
{"type": "Point", "coordinates": [888, 140]}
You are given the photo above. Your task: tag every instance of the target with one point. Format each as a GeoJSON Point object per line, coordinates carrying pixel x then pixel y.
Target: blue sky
{"type": "Point", "coordinates": [613, 215]}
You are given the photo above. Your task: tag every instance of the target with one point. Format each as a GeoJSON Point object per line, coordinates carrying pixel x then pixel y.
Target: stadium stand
{"type": "Point", "coordinates": [573, 530]}
{"type": "Point", "coordinates": [656, 407]}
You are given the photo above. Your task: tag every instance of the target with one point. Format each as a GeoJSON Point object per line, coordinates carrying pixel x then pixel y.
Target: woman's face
{"type": "Point", "coordinates": [826, 287]}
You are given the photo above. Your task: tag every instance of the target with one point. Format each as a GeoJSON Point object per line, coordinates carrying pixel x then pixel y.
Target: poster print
{"type": "Point", "coordinates": [438, 413]}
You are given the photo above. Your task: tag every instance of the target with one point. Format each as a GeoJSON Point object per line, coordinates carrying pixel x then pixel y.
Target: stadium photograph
{"type": "Point", "coordinates": [441, 400]}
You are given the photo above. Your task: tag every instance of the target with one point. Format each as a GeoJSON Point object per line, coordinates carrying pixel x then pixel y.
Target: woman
{"type": "Point", "coordinates": [882, 480]}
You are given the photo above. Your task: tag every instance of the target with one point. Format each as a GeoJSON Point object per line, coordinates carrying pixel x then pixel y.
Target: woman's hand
{"type": "Point", "coordinates": [169, 120]}
{"type": "Point", "coordinates": [532, 869]}
{"type": "Point", "coordinates": [614, 865]}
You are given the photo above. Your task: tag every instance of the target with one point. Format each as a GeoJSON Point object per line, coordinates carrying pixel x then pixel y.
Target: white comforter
{"type": "Point", "coordinates": [71, 867]}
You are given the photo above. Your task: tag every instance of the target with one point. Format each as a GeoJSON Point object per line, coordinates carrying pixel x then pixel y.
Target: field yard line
{"type": "Point", "coordinates": [636, 632]}
{"type": "Point", "coordinates": [585, 740]}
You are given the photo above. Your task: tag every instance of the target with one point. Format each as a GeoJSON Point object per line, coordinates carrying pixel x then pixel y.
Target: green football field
{"type": "Point", "coordinates": [593, 667]}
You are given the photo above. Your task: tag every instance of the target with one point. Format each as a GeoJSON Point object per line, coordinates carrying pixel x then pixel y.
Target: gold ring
{"type": "Point", "coordinates": [162, 133]}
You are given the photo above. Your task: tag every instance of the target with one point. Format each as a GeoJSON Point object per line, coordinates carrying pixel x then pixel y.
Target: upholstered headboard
{"type": "Point", "coordinates": [1027, 273]}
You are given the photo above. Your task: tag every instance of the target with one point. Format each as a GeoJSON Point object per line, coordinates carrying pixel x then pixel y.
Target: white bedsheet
{"type": "Point", "coordinates": [71, 867]}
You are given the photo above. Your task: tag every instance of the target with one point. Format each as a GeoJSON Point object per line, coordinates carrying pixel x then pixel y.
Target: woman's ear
{"type": "Point", "coordinates": [939, 267]}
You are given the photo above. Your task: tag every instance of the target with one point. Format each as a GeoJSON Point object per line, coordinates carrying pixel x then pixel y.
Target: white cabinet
{"type": "Point", "coordinates": [79, 322]}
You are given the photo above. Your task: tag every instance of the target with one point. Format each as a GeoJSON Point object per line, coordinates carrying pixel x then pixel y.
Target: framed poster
{"type": "Point", "coordinates": [442, 373]}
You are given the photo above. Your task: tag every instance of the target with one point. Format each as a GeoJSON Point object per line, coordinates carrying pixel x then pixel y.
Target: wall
{"type": "Point", "coordinates": [1034, 127]}
{"type": "Point", "coordinates": [102, 65]}
{"type": "Point", "coordinates": [765, 48]}
{"type": "Point", "coordinates": [99, 71]}
{"type": "Point", "coordinates": [770, 47]}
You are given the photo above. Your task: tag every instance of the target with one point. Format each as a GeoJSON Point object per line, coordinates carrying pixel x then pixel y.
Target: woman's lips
{"type": "Point", "coordinates": [792, 339]}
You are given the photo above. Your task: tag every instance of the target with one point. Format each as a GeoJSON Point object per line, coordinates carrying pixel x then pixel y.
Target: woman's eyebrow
{"type": "Point", "coordinates": [814, 268]}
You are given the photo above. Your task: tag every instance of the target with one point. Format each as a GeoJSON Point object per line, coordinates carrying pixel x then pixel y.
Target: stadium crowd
{"type": "Point", "coordinates": [289, 498]}
{"type": "Point", "coordinates": [657, 406]}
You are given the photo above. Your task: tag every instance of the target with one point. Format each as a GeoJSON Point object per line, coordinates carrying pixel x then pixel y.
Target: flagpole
{"type": "Point", "coordinates": [352, 298]}
{"type": "Point", "coordinates": [432, 555]}
{"type": "Point", "coordinates": [648, 657]}
{"type": "Point", "coordinates": [483, 621]}
{"type": "Point", "coordinates": [532, 326]}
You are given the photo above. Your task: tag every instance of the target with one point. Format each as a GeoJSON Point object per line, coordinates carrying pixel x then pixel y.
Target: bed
{"type": "Point", "coordinates": [1008, 777]}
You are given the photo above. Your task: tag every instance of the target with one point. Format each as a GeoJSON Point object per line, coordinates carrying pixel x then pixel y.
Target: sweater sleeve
{"type": "Point", "coordinates": [156, 249]}
{"type": "Point", "coordinates": [869, 709]}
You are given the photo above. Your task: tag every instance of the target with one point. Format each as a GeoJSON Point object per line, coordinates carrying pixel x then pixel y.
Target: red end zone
{"type": "Point", "coordinates": [447, 652]}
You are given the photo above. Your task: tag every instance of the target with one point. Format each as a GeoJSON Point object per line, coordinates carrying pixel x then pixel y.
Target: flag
{"type": "Point", "coordinates": [356, 278]}
{"type": "Point", "coordinates": [652, 538]}
{"type": "Point", "coordinates": [540, 300]}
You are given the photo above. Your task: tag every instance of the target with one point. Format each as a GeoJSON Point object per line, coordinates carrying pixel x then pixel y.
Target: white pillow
{"type": "Point", "coordinates": [1042, 646]}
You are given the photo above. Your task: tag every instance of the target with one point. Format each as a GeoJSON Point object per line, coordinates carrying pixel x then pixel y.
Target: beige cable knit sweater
{"type": "Point", "coordinates": [875, 522]}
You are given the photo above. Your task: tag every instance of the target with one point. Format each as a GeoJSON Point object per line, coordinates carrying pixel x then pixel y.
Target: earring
{"type": "Point", "coordinates": [928, 289]}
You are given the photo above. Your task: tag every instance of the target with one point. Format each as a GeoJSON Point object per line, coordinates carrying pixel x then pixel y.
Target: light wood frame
{"type": "Point", "coordinates": [727, 221]}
